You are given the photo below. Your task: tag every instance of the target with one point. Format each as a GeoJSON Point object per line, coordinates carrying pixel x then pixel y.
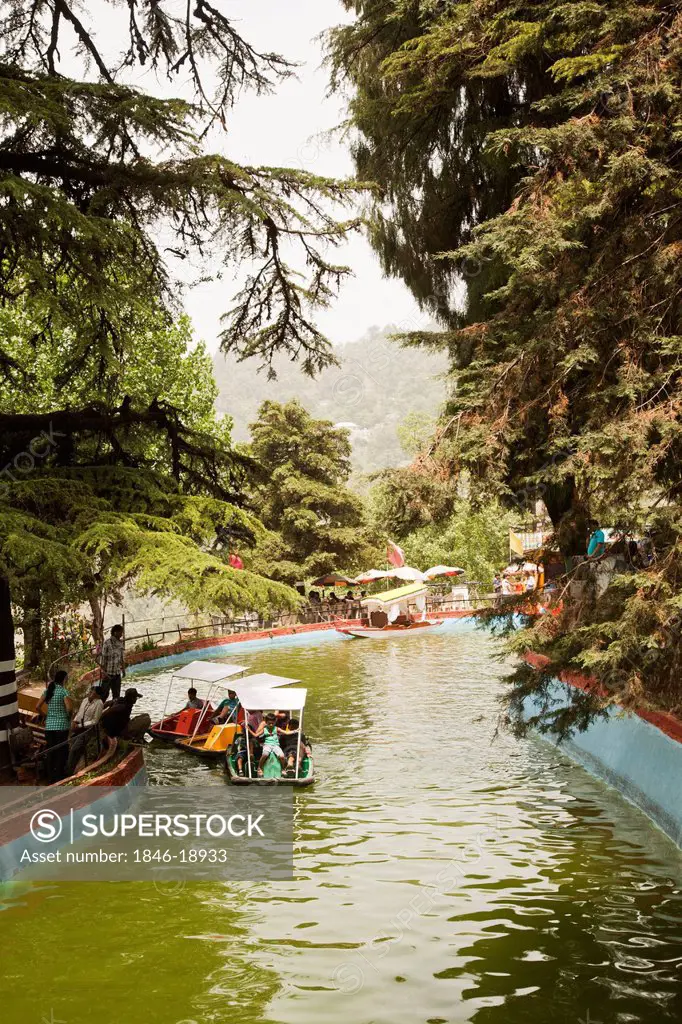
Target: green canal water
{"type": "Point", "coordinates": [442, 874]}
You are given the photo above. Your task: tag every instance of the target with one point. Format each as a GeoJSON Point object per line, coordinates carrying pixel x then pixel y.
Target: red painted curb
{"type": "Point", "coordinates": [669, 724]}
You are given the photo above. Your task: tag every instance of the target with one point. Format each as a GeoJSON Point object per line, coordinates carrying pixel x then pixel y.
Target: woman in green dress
{"type": "Point", "coordinates": [58, 707]}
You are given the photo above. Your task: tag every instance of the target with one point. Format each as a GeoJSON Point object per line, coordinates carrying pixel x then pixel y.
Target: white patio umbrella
{"type": "Point", "coordinates": [371, 575]}
{"type": "Point", "coordinates": [443, 570]}
{"type": "Point", "coordinates": [407, 573]}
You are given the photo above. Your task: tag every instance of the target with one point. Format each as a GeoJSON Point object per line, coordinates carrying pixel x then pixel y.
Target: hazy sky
{"type": "Point", "coordinates": [282, 130]}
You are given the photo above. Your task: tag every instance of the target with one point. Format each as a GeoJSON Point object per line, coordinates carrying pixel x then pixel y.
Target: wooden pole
{"type": "Point", "coordinates": [246, 728]}
{"type": "Point", "coordinates": [298, 745]}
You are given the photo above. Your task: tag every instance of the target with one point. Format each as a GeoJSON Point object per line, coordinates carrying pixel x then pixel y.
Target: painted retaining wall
{"type": "Point", "coordinates": [111, 793]}
{"type": "Point", "coordinates": [639, 753]}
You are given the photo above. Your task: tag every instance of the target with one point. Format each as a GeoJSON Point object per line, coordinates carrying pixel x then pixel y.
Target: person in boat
{"type": "Point", "coordinates": [252, 724]}
{"type": "Point", "coordinates": [84, 739]}
{"type": "Point", "coordinates": [292, 739]}
{"type": "Point", "coordinates": [117, 719]}
{"type": "Point", "coordinates": [282, 719]}
{"type": "Point", "coordinates": [269, 734]}
{"type": "Point", "coordinates": [227, 709]}
{"type": "Point", "coordinates": [112, 664]}
{"type": "Point", "coordinates": [57, 706]}
{"type": "Point", "coordinates": [193, 702]}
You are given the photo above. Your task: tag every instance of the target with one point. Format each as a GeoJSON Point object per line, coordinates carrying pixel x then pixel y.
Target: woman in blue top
{"type": "Point", "coordinates": [58, 707]}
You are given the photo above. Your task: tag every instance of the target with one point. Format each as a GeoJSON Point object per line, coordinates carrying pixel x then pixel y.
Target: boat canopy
{"type": "Point", "coordinates": [392, 596]}
{"type": "Point", "coordinates": [265, 681]}
{"type": "Point", "coordinates": [268, 699]}
{"type": "Point", "coordinates": [208, 671]}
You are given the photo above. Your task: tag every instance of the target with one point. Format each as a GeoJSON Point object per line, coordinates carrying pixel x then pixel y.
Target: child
{"type": "Point", "coordinates": [268, 733]}
{"type": "Point", "coordinates": [292, 739]}
{"type": "Point", "coordinates": [255, 735]}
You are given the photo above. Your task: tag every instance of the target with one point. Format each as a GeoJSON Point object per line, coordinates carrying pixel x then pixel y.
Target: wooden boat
{"type": "Point", "coordinates": [189, 722]}
{"type": "Point", "coordinates": [387, 632]}
{"type": "Point", "coordinates": [109, 784]}
{"type": "Point", "coordinates": [393, 615]}
{"type": "Point", "coordinates": [269, 700]}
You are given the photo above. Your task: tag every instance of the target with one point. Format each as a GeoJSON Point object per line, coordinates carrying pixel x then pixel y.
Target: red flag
{"type": "Point", "coordinates": [395, 555]}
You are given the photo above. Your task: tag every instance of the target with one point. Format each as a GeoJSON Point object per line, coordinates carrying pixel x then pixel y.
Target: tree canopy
{"type": "Point", "coordinates": [302, 495]}
{"type": "Point", "coordinates": [105, 191]}
{"type": "Point", "coordinates": [101, 512]}
{"type": "Point", "coordinates": [530, 160]}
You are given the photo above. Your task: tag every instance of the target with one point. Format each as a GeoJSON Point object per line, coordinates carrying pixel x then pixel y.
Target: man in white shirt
{"type": "Point", "coordinates": [84, 732]}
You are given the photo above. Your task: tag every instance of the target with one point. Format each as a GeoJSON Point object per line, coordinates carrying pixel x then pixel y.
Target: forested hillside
{"type": "Point", "coordinates": [375, 387]}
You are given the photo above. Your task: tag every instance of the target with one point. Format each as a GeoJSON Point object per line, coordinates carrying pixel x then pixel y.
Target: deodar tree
{"type": "Point", "coordinates": [105, 191]}
{"type": "Point", "coordinates": [302, 496]}
{"type": "Point", "coordinates": [531, 164]}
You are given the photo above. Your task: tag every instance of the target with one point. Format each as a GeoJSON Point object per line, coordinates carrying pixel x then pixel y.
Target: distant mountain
{"type": "Point", "coordinates": [376, 385]}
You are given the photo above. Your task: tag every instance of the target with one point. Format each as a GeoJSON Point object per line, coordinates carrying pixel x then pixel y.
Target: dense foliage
{"type": "Point", "coordinates": [93, 525]}
{"type": "Point", "coordinates": [536, 148]}
{"type": "Point", "coordinates": [103, 189]}
{"type": "Point", "coordinates": [474, 538]}
{"type": "Point", "coordinates": [303, 497]}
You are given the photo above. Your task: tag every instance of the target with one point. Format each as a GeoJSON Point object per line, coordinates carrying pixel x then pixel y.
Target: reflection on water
{"type": "Point", "coordinates": [442, 874]}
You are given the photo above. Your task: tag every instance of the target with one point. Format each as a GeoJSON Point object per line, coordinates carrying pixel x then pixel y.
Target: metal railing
{"type": "Point", "coordinates": [224, 627]}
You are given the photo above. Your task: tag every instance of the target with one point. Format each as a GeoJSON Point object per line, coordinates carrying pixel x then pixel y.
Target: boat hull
{"type": "Point", "coordinates": [388, 632]}
{"type": "Point", "coordinates": [111, 793]}
{"type": "Point", "coordinates": [254, 780]}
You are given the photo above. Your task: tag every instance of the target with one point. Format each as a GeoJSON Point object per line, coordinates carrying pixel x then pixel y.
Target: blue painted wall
{"type": "Point", "coordinates": [634, 757]}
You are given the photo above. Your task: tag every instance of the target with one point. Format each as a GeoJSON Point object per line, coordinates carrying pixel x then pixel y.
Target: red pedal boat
{"type": "Point", "coordinates": [190, 721]}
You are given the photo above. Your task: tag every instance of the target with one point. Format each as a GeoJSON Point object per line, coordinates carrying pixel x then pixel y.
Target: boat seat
{"type": "Point", "coordinates": [221, 736]}
{"type": "Point", "coordinates": [186, 721]}
{"type": "Point", "coordinates": [378, 619]}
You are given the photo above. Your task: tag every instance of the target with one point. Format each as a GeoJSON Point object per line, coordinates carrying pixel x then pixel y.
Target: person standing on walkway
{"type": "Point", "coordinates": [58, 706]}
{"type": "Point", "coordinates": [112, 664]}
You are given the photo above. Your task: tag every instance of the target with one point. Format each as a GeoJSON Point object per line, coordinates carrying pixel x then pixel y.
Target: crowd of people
{"type": "Point", "coordinates": [73, 735]}
{"type": "Point", "coordinates": [521, 582]}
{"type": "Point", "coordinates": [275, 733]}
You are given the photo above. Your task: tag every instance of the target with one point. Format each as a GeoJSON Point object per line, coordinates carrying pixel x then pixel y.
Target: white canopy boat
{"type": "Point", "coordinates": [392, 615]}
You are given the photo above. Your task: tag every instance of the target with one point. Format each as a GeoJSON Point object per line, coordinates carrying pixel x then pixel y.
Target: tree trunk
{"type": "Point", "coordinates": [98, 608]}
{"type": "Point", "coordinates": [9, 710]}
{"type": "Point", "coordinates": [569, 518]}
{"type": "Point", "coordinates": [33, 633]}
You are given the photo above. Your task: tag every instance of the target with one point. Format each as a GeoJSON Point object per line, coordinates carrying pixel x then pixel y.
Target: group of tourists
{"type": "Point", "coordinates": [70, 736]}
{"type": "Point", "coordinates": [522, 582]}
{"type": "Point", "coordinates": [275, 733]}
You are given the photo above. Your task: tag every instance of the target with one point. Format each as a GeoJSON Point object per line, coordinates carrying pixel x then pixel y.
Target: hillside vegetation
{"type": "Point", "coordinates": [375, 387]}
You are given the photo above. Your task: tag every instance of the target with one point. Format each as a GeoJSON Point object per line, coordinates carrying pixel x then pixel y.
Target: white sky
{"type": "Point", "coordinates": [283, 130]}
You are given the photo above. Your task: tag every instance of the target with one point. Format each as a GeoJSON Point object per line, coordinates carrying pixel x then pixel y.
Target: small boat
{"type": "Point", "coordinates": [190, 721]}
{"type": "Point", "coordinates": [392, 615]}
{"type": "Point", "coordinates": [212, 742]}
{"type": "Point", "coordinates": [269, 700]}
{"type": "Point", "coordinates": [387, 632]}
